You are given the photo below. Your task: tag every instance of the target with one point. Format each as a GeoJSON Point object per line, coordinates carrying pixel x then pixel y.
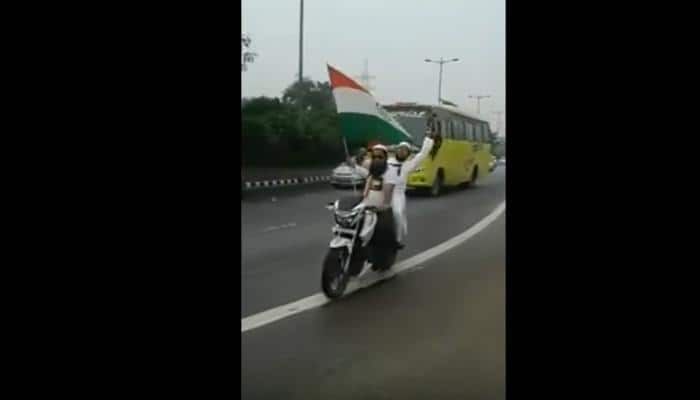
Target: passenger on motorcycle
{"type": "Point", "coordinates": [396, 176]}
{"type": "Point", "coordinates": [362, 163]}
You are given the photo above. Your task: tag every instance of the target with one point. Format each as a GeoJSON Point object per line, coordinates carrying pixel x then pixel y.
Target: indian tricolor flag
{"type": "Point", "coordinates": [362, 119]}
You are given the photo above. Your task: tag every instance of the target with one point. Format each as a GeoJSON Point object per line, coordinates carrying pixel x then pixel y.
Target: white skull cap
{"type": "Point", "coordinates": [379, 147]}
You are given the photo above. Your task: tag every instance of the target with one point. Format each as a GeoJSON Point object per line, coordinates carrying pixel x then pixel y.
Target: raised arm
{"type": "Point", "coordinates": [410, 165]}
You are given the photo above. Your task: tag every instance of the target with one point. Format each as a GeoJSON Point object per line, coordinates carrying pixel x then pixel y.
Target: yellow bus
{"type": "Point", "coordinates": [460, 158]}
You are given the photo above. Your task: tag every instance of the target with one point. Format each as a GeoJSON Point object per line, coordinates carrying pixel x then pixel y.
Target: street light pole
{"type": "Point", "coordinates": [441, 62]}
{"type": "Point", "coordinates": [478, 102]}
{"type": "Point", "coordinates": [440, 82]}
{"type": "Point", "coordinates": [300, 121]}
{"type": "Point", "coordinates": [301, 40]}
{"type": "Point", "coordinates": [498, 121]}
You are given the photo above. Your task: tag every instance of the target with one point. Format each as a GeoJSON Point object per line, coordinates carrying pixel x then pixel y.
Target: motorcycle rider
{"type": "Point", "coordinates": [377, 193]}
{"type": "Point", "coordinates": [395, 174]}
{"type": "Point", "coordinates": [362, 164]}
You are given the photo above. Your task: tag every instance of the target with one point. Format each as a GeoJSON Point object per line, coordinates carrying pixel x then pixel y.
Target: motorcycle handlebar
{"type": "Point", "coordinates": [376, 209]}
{"type": "Point", "coordinates": [331, 206]}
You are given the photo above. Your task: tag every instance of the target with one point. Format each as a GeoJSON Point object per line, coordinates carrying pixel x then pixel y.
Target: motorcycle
{"type": "Point", "coordinates": [363, 237]}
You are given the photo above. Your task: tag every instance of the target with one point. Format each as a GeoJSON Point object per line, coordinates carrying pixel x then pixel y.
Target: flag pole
{"type": "Point", "coordinates": [347, 157]}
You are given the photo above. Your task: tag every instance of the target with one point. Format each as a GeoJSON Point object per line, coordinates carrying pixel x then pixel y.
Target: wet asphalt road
{"type": "Point", "coordinates": [285, 235]}
{"type": "Point", "coordinates": [434, 333]}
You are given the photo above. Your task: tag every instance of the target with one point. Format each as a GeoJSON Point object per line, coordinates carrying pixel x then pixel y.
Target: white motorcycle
{"type": "Point", "coordinates": [363, 236]}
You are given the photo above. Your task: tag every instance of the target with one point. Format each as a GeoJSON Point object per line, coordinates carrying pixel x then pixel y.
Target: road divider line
{"type": "Point", "coordinates": [278, 227]}
{"type": "Point", "coordinates": [319, 299]}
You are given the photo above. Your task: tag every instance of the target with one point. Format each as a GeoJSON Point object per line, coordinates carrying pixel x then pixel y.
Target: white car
{"type": "Point", "coordinates": [493, 164]}
{"type": "Point", "coordinates": [346, 176]}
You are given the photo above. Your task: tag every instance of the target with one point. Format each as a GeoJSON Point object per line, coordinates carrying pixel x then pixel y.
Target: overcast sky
{"type": "Point", "coordinates": [394, 35]}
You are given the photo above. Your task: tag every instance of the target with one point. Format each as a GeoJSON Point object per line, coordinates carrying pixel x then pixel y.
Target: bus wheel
{"type": "Point", "coordinates": [475, 175]}
{"type": "Point", "coordinates": [436, 189]}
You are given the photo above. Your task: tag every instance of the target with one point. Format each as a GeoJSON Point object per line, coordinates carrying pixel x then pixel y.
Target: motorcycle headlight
{"type": "Point", "coordinates": [346, 220]}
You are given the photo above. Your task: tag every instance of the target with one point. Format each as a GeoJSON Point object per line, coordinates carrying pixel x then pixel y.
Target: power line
{"type": "Point", "coordinates": [246, 56]}
{"type": "Point", "coordinates": [365, 78]}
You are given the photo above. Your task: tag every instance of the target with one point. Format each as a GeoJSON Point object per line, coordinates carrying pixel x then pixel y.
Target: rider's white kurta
{"type": "Point", "coordinates": [397, 174]}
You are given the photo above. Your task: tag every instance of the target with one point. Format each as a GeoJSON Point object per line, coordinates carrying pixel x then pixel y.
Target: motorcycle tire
{"type": "Point", "coordinates": [333, 280]}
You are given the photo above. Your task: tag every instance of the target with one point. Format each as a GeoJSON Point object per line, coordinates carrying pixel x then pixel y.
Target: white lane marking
{"type": "Point", "coordinates": [278, 227]}
{"type": "Point", "coordinates": [319, 299]}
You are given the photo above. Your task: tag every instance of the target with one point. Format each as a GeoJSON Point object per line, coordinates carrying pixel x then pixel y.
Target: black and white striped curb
{"type": "Point", "coordinates": [285, 182]}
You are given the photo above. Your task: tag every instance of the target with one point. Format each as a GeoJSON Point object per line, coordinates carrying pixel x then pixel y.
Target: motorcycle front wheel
{"type": "Point", "coordinates": [333, 280]}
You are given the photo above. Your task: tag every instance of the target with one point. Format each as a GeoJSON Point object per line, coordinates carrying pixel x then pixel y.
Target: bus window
{"type": "Point", "coordinates": [415, 126]}
{"type": "Point", "coordinates": [432, 123]}
{"type": "Point", "coordinates": [460, 129]}
{"type": "Point", "coordinates": [478, 136]}
{"type": "Point", "coordinates": [470, 132]}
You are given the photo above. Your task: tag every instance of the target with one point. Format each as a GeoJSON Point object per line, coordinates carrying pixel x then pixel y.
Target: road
{"type": "Point", "coordinates": [437, 332]}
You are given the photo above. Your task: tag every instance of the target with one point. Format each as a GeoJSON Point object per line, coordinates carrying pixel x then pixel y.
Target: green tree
{"type": "Point", "coordinates": [308, 95]}
{"type": "Point", "coordinates": [261, 105]}
{"type": "Point", "coordinates": [300, 128]}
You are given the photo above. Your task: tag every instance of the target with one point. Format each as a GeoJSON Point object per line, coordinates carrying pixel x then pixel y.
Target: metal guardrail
{"type": "Point", "coordinates": [268, 183]}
